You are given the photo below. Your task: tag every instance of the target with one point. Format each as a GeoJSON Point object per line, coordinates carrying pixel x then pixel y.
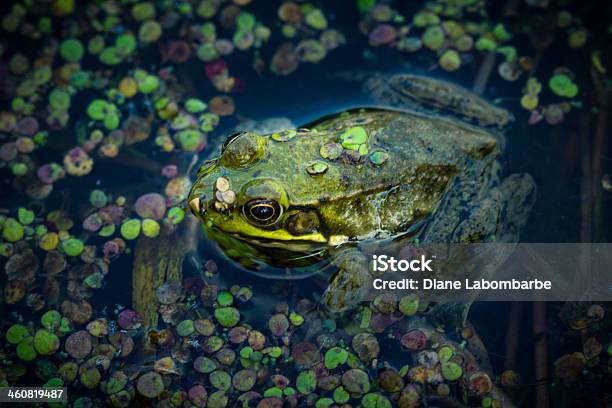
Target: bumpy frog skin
{"type": "Point", "coordinates": [297, 197]}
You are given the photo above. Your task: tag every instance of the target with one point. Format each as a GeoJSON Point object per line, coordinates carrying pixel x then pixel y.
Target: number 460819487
{"type": "Point", "coordinates": [31, 394]}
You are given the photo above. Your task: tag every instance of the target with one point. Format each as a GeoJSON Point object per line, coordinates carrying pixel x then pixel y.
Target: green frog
{"type": "Point", "coordinates": [317, 194]}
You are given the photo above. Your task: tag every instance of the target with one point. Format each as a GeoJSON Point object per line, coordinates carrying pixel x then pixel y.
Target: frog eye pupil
{"type": "Point", "coordinates": [263, 211]}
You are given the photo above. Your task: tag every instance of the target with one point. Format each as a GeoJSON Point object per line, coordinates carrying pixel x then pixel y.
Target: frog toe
{"type": "Point", "coordinates": [346, 289]}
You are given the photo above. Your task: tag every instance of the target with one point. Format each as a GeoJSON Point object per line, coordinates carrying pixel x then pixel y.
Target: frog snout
{"type": "Point", "coordinates": [197, 206]}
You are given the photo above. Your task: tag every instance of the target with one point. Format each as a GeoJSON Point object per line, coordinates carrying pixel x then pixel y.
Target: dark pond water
{"type": "Point", "coordinates": [568, 162]}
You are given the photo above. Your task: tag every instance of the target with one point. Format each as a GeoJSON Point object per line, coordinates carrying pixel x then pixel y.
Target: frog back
{"type": "Point", "coordinates": [410, 162]}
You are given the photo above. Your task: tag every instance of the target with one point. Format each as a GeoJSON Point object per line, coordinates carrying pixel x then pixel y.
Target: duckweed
{"type": "Point", "coordinates": [340, 395]}
{"type": "Point", "coordinates": [131, 229]}
{"type": "Point", "coordinates": [25, 349]}
{"type": "Point", "coordinates": [220, 380]}
{"type": "Point", "coordinates": [72, 50]}
{"type": "Point", "coordinates": [331, 151]}
{"type": "Point", "coordinates": [127, 99]}
{"type": "Point", "coordinates": [225, 298]}
{"type": "Point", "coordinates": [375, 400]}
{"type": "Point", "coordinates": [150, 384]}
{"type": "Point", "coordinates": [46, 342]}
{"type": "Point", "coordinates": [16, 333]}
{"type": "Point", "coordinates": [73, 247]}
{"type": "Point", "coordinates": [25, 216]}
{"type": "Point", "coordinates": [317, 167]}
{"type": "Point", "coordinates": [562, 85]}
{"type": "Point", "coordinates": [356, 381]}
{"type": "Point", "coordinates": [409, 305]}
{"type": "Point", "coordinates": [306, 382]}
{"type": "Point", "coordinates": [451, 370]}
{"type": "Point", "coordinates": [244, 380]}
{"type": "Point", "coordinates": [227, 316]}
{"type": "Point", "coordinates": [51, 319]}
{"type": "Point", "coordinates": [335, 357]}
{"type": "Point", "coordinates": [185, 328]}
{"type": "Point", "coordinates": [150, 228]}
{"type": "Point", "coordinates": [12, 230]}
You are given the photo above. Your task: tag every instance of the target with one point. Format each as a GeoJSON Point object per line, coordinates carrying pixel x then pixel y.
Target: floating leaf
{"type": "Point", "coordinates": [306, 382]}
{"type": "Point", "coordinates": [356, 381]}
{"type": "Point", "coordinates": [434, 38]}
{"type": "Point", "coordinates": [25, 349]}
{"type": "Point", "coordinates": [150, 384]}
{"type": "Point", "coordinates": [335, 357]}
{"type": "Point", "coordinates": [284, 135]}
{"type": "Point", "coordinates": [500, 32]}
{"type": "Point", "coordinates": [204, 365]}
{"type": "Point", "coordinates": [414, 339]}
{"type": "Point", "coordinates": [12, 230]}
{"type": "Point", "coordinates": [72, 50]}
{"type": "Point", "coordinates": [130, 229]}
{"type": "Point", "coordinates": [409, 305]}
{"type": "Point", "coordinates": [450, 60]}
{"type": "Point", "coordinates": [244, 380]}
{"type": "Point", "coordinates": [354, 137]}
{"type": "Point", "coordinates": [97, 109]}
{"type": "Point", "coordinates": [317, 167]}
{"type": "Point", "coordinates": [79, 344]}
{"type": "Point", "coordinates": [185, 328]}
{"type": "Point", "coordinates": [562, 85]}
{"type": "Point", "coordinates": [227, 316]}
{"type": "Point", "coordinates": [375, 400]}
{"type": "Point", "coordinates": [331, 151]}
{"type": "Point", "coordinates": [150, 228]}
{"type": "Point", "coordinates": [115, 383]}
{"type": "Point", "coordinates": [316, 19]}
{"type": "Point", "coordinates": [16, 333]}
{"type": "Point", "coordinates": [51, 319]}
{"type": "Point", "coordinates": [195, 105]}
{"type": "Point", "coordinates": [46, 342]}
{"type": "Point", "coordinates": [278, 324]}
{"type": "Point", "coordinates": [25, 216]}
{"type": "Point", "coordinates": [530, 101]}
{"type": "Point", "coordinates": [340, 395]}
{"type": "Point", "coordinates": [379, 157]}
{"type": "Point", "coordinates": [220, 380]}
{"type": "Point", "coordinates": [451, 370]}
{"type": "Point", "coordinates": [73, 247]}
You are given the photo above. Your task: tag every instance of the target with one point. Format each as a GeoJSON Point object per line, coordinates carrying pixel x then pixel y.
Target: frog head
{"type": "Point", "coordinates": [248, 210]}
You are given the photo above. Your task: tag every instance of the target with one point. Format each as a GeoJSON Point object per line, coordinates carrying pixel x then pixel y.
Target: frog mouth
{"type": "Point", "coordinates": [297, 246]}
{"type": "Point", "coordinates": [279, 253]}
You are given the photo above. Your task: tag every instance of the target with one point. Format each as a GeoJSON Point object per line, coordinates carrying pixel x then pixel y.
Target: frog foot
{"type": "Point", "coordinates": [347, 287]}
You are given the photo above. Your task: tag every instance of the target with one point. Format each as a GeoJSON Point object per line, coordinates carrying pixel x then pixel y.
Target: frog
{"type": "Point", "coordinates": [317, 194]}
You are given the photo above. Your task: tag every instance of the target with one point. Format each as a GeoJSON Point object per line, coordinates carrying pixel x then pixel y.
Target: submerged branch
{"type": "Point", "coordinates": [541, 354]}
{"type": "Point", "coordinates": [482, 78]}
{"type": "Point", "coordinates": [157, 261]}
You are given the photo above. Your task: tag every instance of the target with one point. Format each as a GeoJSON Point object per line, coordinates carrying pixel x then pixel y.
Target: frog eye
{"type": "Point", "coordinates": [262, 211]}
{"type": "Point", "coordinates": [242, 150]}
{"type": "Point", "coordinates": [230, 139]}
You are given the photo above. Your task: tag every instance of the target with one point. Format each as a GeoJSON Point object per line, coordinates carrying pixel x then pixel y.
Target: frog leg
{"type": "Point", "coordinates": [499, 218]}
{"type": "Point", "coordinates": [519, 192]}
{"type": "Point", "coordinates": [348, 286]}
